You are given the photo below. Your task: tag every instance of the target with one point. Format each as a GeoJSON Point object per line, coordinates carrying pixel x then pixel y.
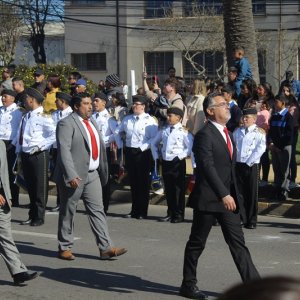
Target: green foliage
{"type": "Point", "coordinates": [63, 71]}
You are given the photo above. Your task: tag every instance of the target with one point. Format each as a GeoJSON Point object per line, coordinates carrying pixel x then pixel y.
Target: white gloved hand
{"type": "Point", "coordinates": [34, 150]}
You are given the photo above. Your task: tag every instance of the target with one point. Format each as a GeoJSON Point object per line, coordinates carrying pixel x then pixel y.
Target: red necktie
{"type": "Point", "coordinates": [228, 141]}
{"type": "Point", "coordinates": [93, 140]}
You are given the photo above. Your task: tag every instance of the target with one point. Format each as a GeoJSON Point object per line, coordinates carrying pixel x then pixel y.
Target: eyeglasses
{"type": "Point", "coordinates": [222, 104]}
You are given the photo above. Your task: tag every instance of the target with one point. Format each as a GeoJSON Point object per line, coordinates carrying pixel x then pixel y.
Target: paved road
{"type": "Point", "coordinates": [152, 267]}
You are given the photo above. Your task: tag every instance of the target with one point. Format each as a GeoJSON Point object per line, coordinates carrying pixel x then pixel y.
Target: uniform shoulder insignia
{"type": "Point", "coordinates": [261, 130]}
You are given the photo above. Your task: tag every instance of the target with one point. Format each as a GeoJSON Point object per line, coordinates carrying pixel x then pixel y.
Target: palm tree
{"type": "Point", "coordinates": [239, 30]}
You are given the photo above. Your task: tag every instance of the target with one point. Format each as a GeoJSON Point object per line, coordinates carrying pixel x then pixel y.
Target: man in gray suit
{"type": "Point", "coordinates": [8, 249]}
{"type": "Point", "coordinates": [80, 172]}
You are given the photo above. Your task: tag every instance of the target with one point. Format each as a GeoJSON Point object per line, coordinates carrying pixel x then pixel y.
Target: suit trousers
{"type": "Point", "coordinates": [173, 173]}
{"type": "Point", "coordinates": [233, 235]}
{"type": "Point", "coordinates": [35, 170]}
{"type": "Point", "coordinates": [11, 158]}
{"type": "Point", "coordinates": [8, 249]}
{"type": "Point", "coordinates": [247, 181]}
{"type": "Point", "coordinates": [281, 166]}
{"type": "Point", "coordinates": [91, 193]}
{"type": "Point", "coordinates": [139, 166]}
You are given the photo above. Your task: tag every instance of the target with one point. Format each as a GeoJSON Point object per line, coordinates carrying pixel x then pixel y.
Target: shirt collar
{"type": "Point", "coordinates": [283, 112]}
{"type": "Point", "coordinates": [10, 107]}
{"type": "Point", "coordinates": [36, 111]}
{"type": "Point", "coordinates": [219, 126]}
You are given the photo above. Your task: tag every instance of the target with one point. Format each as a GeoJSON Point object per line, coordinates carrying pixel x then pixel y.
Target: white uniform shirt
{"type": "Point", "coordinates": [107, 126]}
{"type": "Point", "coordinates": [176, 142]}
{"type": "Point", "coordinates": [38, 129]}
{"type": "Point", "coordinates": [58, 114]}
{"type": "Point", "coordinates": [10, 119]}
{"type": "Point", "coordinates": [94, 164]}
{"type": "Point", "coordinates": [139, 130]}
{"type": "Point", "coordinates": [250, 146]}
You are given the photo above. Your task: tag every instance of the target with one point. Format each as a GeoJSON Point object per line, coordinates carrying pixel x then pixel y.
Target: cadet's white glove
{"type": "Point", "coordinates": [34, 150]}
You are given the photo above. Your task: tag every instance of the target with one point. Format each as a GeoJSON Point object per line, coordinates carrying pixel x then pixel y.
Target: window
{"type": "Point", "coordinates": [192, 7]}
{"type": "Point", "coordinates": [213, 62]}
{"type": "Point", "coordinates": [259, 7]}
{"type": "Point", "coordinates": [261, 57]}
{"type": "Point", "coordinates": [87, 2]}
{"type": "Point", "coordinates": [158, 63]}
{"type": "Point", "coordinates": [158, 9]}
{"type": "Point", "coordinates": [89, 61]}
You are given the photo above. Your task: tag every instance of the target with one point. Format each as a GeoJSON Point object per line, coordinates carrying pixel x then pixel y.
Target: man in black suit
{"type": "Point", "coordinates": [215, 196]}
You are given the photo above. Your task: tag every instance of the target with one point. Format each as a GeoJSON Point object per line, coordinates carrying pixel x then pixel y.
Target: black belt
{"type": "Point", "coordinates": [91, 171]}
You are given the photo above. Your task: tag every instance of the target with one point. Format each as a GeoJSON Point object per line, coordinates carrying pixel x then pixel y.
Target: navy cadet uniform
{"type": "Point", "coordinates": [139, 131]}
{"type": "Point", "coordinates": [58, 115]}
{"type": "Point", "coordinates": [107, 125]}
{"type": "Point", "coordinates": [251, 144]}
{"type": "Point", "coordinates": [35, 137]}
{"type": "Point", "coordinates": [177, 144]}
{"type": "Point", "coordinates": [10, 118]}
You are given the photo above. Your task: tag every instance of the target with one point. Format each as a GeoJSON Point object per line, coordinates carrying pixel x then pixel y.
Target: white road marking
{"type": "Point", "coordinates": [46, 235]}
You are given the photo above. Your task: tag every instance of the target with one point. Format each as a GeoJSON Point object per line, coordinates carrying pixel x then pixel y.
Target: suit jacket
{"type": "Point", "coordinates": [215, 171]}
{"type": "Point", "coordinates": [73, 151]}
{"type": "Point", "coordinates": [4, 173]}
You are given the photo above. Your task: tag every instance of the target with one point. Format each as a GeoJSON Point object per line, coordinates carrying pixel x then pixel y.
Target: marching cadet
{"type": "Point", "coordinates": [107, 126]}
{"type": "Point", "coordinates": [62, 103]}
{"type": "Point", "coordinates": [35, 137]}
{"type": "Point", "coordinates": [176, 146]}
{"type": "Point", "coordinates": [250, 142]}
{"type": "Point", "coordinates": [10, 118]}
{"type": "Point", "coordinates": [139, 128]}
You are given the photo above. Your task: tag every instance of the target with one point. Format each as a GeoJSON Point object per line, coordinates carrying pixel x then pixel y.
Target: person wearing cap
{"type": "Point", "coordinates": [8, 249]}
{"type": "Point", "coordinates": [250, 143]}
{"type": "Point", "coordinates": [176, 146]}
{"type": "Point", "coordinates": [10, 118]}
{"type": "Point", "coordinates": [18, 86]}
{"type": "Point", "coordinates": [36, 135]}
{"type": "Point", "coordinates": [235, 111]}
{"type": "Point", "coordinates": [73, 77]}
{"type": "Point", "coordinates": [140, 129]}
{"type": "Point", "coordinates": [279, 140]}
{"type": "Point", "coordinates": [63, 110]}
{"type": "Point", "coordinates": [80, 173]}
{"type": "Point", "coordinates": [107, 126]}
{"type": "Point", "coordinates": [53, 86]}
{"type": "Point", "coordinates": [112, 86]}
{"type": "Point", "coordinates": [289, 80]}
{"type": "Point", "coordinates": [40, 83]}
{"type": "Point", "coordinates": [80, 86]}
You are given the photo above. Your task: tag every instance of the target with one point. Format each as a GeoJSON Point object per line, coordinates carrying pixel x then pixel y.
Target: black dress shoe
{"type": "Point", "coordinates": [37, 223]}
{"type": "Point", "coordinates": [165, 219]}
{"type": "Point", "coordinates": [55, 209]}
{"type": "Point", "coordinates": [191, 292]}
{"type": "Point", "coordinates": [24, 276]}
{"type": "Point", "coordinates": [27, 222]}
{"type": "Point", "coordinates": [177, 220]}
{"type": "Point", "coordinates": [250, 226]}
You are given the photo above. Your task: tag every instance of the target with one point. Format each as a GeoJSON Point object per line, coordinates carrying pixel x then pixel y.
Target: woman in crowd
{"type": "Point", "coordinates": [53, 86]}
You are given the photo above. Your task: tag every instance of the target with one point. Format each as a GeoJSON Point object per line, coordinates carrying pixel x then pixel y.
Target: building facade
{"type": "Point", "coordinates": [105, 37]}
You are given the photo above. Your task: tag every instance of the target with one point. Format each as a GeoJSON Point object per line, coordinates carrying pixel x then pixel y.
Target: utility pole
{"type": "Point", "coordinates": [118, 36]}
{"type": "Point", "coordinates": [280, 42]}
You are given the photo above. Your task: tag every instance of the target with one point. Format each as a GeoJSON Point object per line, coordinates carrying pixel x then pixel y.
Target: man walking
{"type": "Point", "coordinates": [215, 196]}
{"type": "Point", "coordinates": [80, 172]}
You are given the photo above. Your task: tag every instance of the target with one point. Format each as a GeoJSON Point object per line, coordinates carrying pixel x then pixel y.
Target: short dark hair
{"type": "Point", "coordinates": [77, 98]}
{"type": "Point", "coordinates": [209, 101]}
{"type": "Point", "coordinates": [173, 82]}
{"type": "Point", "coordinates": [76, 75]}
{"type": "Point", "coordinates": [54, 80]}
{"type": "Point", "coordinates": [239, 48]}
{"type": "Point", "coordinates": [171, 68]}
{"type": "Point", "coordinates": [17, 79]}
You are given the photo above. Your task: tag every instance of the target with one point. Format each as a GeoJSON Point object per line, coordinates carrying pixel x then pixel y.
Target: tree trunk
{"type": "Point", "coordinates": [239, 30]}
{"type": "Point", "coordinates": [37, 43]}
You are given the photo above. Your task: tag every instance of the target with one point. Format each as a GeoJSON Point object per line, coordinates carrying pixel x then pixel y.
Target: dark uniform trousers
{"type": "Point", "coordinates": [11, 158]}
{"type": "Point", "coordinates": [233, 235]}
{"type": "Point", "coordinates": [173, 173]}
{"type": "Point", "coordinates": [247, 181]}
{"type": "Point", "coordinates": [35, 170]}
{"type": "Point", "coordinates": [106, 188]}
{"type": "Point", "coordinates": [54, 161]}
{"type": "Point", "coordinates": [139, 166]}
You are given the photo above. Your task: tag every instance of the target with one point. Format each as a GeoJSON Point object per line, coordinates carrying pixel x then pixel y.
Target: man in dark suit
{"type": "Point", "coordinates": [80, 171]}
{"type": "Point", "coordinates": [215, 196]}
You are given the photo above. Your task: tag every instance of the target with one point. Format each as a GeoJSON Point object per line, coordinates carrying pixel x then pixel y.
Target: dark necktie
{"type": "Point", "coordinates": [171, 129]}
{"type": "Point", "coordinates": [93, 140]}
{"type": "Point", "coordinates": [228, 141]}
{"type": "Point", "coordinates": [22, 128]}
{"type": "Point", "coordinates": [97, 115]}
{"type": "Point", "coordinates": [60, 114]}
{"type": "Point", "coordinates": [246, 130]}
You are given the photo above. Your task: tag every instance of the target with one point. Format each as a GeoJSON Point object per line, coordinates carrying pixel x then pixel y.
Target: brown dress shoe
{"type": "Point", "coordinates": [66, 255]}
{"type": "Point", "coordinates": [112, 252]}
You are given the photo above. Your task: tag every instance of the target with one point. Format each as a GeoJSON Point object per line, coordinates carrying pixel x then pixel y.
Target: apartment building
{"type": "Point", "coordinates": [104, 37]}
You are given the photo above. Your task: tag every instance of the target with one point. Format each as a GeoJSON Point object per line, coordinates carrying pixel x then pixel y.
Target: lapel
{"type": "Point", "coordinates": [80, 126]}
{"type": "Point", "coordinates": [219, 137]}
